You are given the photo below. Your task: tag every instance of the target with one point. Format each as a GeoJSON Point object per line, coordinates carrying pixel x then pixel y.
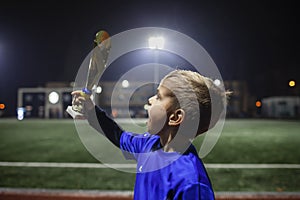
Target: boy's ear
{"type": "Point", "coordinates": [176, 118]}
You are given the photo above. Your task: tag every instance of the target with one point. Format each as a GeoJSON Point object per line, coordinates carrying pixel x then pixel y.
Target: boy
{"type": "Point", "coordinates": [168, 166]}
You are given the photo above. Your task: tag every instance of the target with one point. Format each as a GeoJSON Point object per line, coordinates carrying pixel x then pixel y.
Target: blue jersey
{"type": "Point", "coordinates": [163, 175]}
{"type": "Point", "coordinates": [160, 175]}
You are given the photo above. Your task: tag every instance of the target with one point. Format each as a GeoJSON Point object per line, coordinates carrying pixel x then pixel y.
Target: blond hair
{"type": "Point", "coordinates": [197, 94]}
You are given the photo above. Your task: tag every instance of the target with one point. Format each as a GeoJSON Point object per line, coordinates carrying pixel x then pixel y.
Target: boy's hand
{"type": "Point", "coordinates": [81, 98]}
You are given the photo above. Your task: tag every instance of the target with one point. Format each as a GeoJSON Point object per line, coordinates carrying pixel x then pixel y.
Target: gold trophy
{"type": "Point", "coordinates": [97, 65]}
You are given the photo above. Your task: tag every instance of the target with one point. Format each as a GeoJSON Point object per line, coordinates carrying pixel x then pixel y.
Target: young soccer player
{"type": "Point", "coordinates": [168, 166]}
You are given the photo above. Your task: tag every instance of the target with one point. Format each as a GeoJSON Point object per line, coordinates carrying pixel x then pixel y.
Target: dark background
{"type": "Point", "coordinates": [255, 41]}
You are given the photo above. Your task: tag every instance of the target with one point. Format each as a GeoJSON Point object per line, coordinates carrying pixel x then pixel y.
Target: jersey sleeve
{"type": "Point", "coordinates": [133, 144]}
{"type": "Point", "coordinates": [197, 191]}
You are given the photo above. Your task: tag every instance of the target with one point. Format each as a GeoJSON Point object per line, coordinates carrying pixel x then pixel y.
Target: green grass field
{"type": "Point", "coordinates": [242, 141]}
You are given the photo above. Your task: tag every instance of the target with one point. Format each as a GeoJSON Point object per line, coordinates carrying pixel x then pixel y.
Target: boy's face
{"type": "Point", "coordinates": [160, 104]}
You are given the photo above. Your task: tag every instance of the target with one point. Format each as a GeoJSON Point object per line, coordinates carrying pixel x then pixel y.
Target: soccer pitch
{"type": "Point", "coordinates": [255, 155]}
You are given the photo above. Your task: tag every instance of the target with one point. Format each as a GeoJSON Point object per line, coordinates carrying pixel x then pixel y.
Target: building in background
{"type": "Point", "coordinates": [281, 107]}
{"type": "Point", "coordinates": [120, 99]}
{"type": "Point", "coordinates": [241, 103]}
{"type": "Point", "coordinates": [44, 102]}
{"type": "Point", "coordinates": [126, 99]}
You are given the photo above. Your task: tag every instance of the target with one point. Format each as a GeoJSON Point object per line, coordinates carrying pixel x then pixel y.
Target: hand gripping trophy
{"type": "Point", "coordinates": [97, 64]}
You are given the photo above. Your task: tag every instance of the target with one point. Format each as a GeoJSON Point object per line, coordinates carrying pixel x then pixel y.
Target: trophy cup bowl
{"type": "Point", "coordinates": [97, 64]}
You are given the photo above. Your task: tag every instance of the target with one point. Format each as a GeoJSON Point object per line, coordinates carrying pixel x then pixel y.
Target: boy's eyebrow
{"type": "Point", "coordinates": [158, 92]}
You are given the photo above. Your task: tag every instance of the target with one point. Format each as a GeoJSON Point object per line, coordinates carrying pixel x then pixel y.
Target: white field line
{"type": "Point", "coordinates": [66, 165]}
{"type": "Point", "coordinates": [129, 166]}
{"type": "Point", "coordinates": [253, 166]}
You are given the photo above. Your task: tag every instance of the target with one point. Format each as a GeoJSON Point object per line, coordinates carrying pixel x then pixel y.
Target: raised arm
{"type": "Point", "coordinates": [99, 119]}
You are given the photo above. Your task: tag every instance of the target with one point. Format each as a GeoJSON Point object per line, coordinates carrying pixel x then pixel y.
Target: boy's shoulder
{"type": "Point", "coordinates": [144, 142]}
{"type": "Point", "coordinates": [141, 135]}
{"type": "Point", "coordinates": [189, 162]}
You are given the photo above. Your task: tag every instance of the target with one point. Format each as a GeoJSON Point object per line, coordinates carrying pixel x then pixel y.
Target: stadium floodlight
{"type": "Point", "coordinates": [53, 97]}
{"type": "Point", "coordinates": [156, 42]}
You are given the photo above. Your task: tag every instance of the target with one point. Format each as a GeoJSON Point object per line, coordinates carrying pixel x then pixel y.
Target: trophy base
{"type": "Point", "coordinates": [75, 114]}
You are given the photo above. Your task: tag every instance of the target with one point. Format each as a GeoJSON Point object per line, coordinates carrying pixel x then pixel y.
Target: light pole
{"type": "Point", "coordinates": [156, 43]}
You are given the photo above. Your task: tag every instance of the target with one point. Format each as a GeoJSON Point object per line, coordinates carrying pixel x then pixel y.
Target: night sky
{"type": "Point", "coordinates": [255, 41]}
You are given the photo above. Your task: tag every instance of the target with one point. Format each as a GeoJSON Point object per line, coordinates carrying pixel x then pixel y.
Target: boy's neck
{"type": "Point", "coordinates": [165, 142]}
{"type": "Point", "coordinates": [170, 143]}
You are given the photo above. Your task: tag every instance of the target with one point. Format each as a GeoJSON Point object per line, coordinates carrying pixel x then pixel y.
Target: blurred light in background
{"type": "Point", "coordinates": [292, 83]}
{"type": "Point", "coordinates": [2, 106]}
{"type": "Point", "coordinates": [98, 89]}
{"type": "Point", "coordinates": [53, 97]}
{"type": "Point", "coordinates": [146, 106]}
{"type": "Point", "coordinates": [217, 82]}
{"type": "Point", "coordinates": [125, 84]}
{"type": "Point", "coordinates": [20, 113]}
{"type": "Point", "coordinates": [156, 42]}
{"type": "Point", "coordinates": [258, 104]}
